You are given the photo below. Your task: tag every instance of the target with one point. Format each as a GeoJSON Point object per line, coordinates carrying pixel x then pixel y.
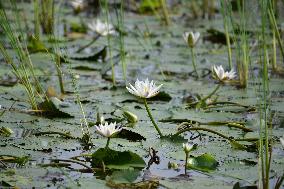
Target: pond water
{"type": "Point", "coordinates": [45, 149]}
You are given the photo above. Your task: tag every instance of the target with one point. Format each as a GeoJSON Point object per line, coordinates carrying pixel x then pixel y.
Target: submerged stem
{"type": "Point", "coordinates": [193, 61]}
{"type": "Point", "coordinates": [151, 117]}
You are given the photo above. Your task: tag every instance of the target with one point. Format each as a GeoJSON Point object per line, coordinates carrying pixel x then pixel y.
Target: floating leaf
{"type": "Point", "coordinates": [36, 45]}
{"type": "Point", "coordinates": [205, 162]}
{"type": "Point", "coordinates": [162, 96]}
{"type": "Point", "coordinates": [237, 145]}
{"type": "Point", "coordinates": [124, 176]}
{"type": "Point", "coordinates": [100, 54]}
{"type": "Point", "coordinates": [51, 108]}
{"type": "Point", "coordinates": [78, 27]}
{"type": "Point", "coordinates": [130, 135]}
{"type": "Point", "coordinates": [147, 6]}
{"type": "Point", "coordinates": [116, 160]}
{"type": "Point", "coordinates": [239, 185]}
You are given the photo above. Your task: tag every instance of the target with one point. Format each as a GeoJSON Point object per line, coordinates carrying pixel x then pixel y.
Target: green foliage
{"type": "Point", "coordinates": [78, 27]}
{"type": "Point", "coordinates": [205, 162]}
{"type": "Point", "coordinates": [124, 176]}
{"type": "Point", "coordinates": [116, 160]}
{"type": "Point", "coordinates": [35, 45]}
{"type": "Point", "coordinates": [52, 108]}
{"type": "Point", "coordinates": [149, 6]}
{"type": "Point", "coordinates": [100, 54]}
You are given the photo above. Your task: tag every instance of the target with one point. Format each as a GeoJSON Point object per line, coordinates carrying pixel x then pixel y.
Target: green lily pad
{"type": "Point", "coordinates": [116, 160]}
{"type": "Point", "coordinates": [100, 54]}
{"type": "Point", "coordinates": [124, 176]}
{"type": "Point", "coordinates": [205, 162]}
{"type": "Point", "coordinates": [52, 108]}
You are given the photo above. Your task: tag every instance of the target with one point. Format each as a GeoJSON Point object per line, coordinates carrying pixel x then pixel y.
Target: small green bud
{"type": "Point", "coordinates": [6, 131]}
{"type": "Point", "coordinates": [131, 117]}
{"type": "Point", "coordinates": [191, 38]}
{"type": "Point", "coordinates": [187, 147]}
{"type": "Point", "coordinates": [172, 165]}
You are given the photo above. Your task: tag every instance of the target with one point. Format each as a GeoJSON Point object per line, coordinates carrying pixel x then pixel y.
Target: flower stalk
{"type": "Point", "coordinates": [186, 148]}
{"type": "Point", "coordinates": [88, 44]}
{"type": "Point", "coordinates": [151, 117]}
{"type": "Point", "coordinates": [191, 39]}
{"type": "Point", "coordinates": [193, 61]}
{"type": "Point", "coordinates": [107, 144]}
{"type": "Point", "coordinates": [146, 89]}
{"type": "Point", "coordinates": [185, 166]}
{"type": "Point", "coordinates": [212, 93]}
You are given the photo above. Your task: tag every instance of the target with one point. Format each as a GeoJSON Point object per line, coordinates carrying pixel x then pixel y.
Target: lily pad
{"type": "Point", "coordinates": [116, 160]}
{"type": "Point", "coordinates": [124, 176]}
{"type": "Point", "coordinates": [52, 108]}
{"type": "Point", "coordinates": [204, 162]}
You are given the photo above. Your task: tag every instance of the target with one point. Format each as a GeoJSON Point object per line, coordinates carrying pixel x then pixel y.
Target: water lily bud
{"type": "Point", "coordinates": [172, 165]}
{"type": "Point", "coordinates": [131, 117]}
{"type": "Point", "coordinates": [77, 5]}
{"type": "Point", "coordinates": [6, 131]}
{"type": "Point", "coordinates": [191, 38]}
{"type": "Point", "coordinates": [187, 147]}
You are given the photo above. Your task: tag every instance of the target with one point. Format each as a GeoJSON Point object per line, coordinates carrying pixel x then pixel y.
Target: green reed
{"type": "Point", "coordinates": [264, 149]}
{"type": "Point", "coordinates": [243, 52]}
{"type": "Point", "coordinates": [165, 12]}
{"type": "Point", "coordinates": [36, 20]}
{"type": "Point", "coordinates": [120, 21]}
{"type": "Point", "coordinates": [47, 16]}
{"type": "Point", "coordinates": [23, 68]}
{"type": "Point", "coordinates": [276, 34]}
{"type": "Point", "coordinates": [106, 13]}
{"type": "Point", "coordinates": [224, 10]}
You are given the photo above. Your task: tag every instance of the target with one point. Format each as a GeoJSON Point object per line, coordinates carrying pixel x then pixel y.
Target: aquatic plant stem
{"type": "Point", "coordinates": [59, 73]}
{"type": "Point", "coordinates": [193, 61]}
{"type": "Point", "coordinates": [151, 117]}
{"type": "Point", "coordinates": [36, 20]}
{"type": "Point", "coordinates": [109, 44]}
{"type": "Point", "coordinates": [203, 129]}
{"type": "Point", "coordinates": [89, 44]}
{"type": "Point", "coordinates": [107, 144]}
{"type": "Point", "coordinates": [274, 58]}
{"type": "Point", "coordinates": [212, 93]}
{"type": "Point", "coordinates": [276, 31]}
{"type": "Point", "coordinates": [225, 22]}
{"type": "Point", "coordinates": [120, 21]}
{"type": "Point", "coordinates": [165, 12]}
{"type": "Point", "coordinates": [185, 166]}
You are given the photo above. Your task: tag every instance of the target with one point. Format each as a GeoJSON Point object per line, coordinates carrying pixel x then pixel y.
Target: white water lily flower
{"type": "Point", "coordinates": [101, 28]}
{"type": "Point", "coordinates": [144, 89]}
{"type": "Point", "coordinates": [220, 74]}
{"type": "Point", "coordinates": [77, 4]}
{"type": "Point", "coordinates": [187, 147]}
{"type": "Point", "coordinates": [191, 38]}
{"type": "Point", "coordinates": [108, 130]}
